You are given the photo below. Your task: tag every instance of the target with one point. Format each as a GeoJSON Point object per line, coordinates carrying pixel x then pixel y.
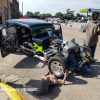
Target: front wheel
{"type": "Point", "coordinates": [57, 66]}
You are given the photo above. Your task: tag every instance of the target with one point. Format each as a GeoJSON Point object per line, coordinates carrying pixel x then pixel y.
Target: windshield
{"type": "Point", "coordinates": [41, 31]}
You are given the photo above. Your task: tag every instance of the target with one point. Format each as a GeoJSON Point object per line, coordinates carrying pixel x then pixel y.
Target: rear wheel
{"type": "Point", "coordinates": [57, 66]}
{"type": "Point", "coordinates": [88, 51]}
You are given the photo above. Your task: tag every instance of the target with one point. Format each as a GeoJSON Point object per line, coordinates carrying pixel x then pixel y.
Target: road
{"type": "Point", "coordinates": [79, 86]}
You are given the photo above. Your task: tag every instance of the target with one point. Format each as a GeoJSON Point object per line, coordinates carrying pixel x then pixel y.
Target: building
{"type": "Point", "coordinates": [3, 11]}
{"type": "Point", "coordinates": [9, 9]}
{"type": "Point", "coordinates": [14, 9]}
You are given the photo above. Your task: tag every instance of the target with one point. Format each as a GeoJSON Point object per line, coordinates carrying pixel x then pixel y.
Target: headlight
{"type": "Point", "coordinates": [65, 53]}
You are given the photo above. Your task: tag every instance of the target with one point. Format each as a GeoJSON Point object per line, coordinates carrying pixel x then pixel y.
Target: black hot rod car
{"type": "Point", "coordinates": [47, 41]}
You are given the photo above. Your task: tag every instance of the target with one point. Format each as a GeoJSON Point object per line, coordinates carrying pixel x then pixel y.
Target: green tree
{"type": "Point", "coordinates": [69, 13]}
{"type": "Point", "coordinates": [29, 13]}
{"type": "Point", "coordinates": [83, 15]}
{"type": "Point", "coordinates": [36, 13]}
{"type": "Point", "coordinates": [48, 14]}
{"type": "Point", "coordinates": [58, 14]}
{"type": "Point", "coordinates": [80, 15]}
{"type": "Point", "coordinates": [89, 16]}
{"type": "Point", "coordinates": [64, 14]}
{"type": "Point", "coordinates": [44, 14]}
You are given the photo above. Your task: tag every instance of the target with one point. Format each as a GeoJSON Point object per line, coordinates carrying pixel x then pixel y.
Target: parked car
{"type": "Point", "coordinates": [71, 20]}
{"type": "Point", "coordinates": [76, 20]}
{"type": "Point", "coordinates": [61, 21]}
{"type": "Point", "coordinates": [47, 41]}
{"type": "Point", "coordinates": [49, 19]}
{"type": "Point", "coordinates": [83, 20]}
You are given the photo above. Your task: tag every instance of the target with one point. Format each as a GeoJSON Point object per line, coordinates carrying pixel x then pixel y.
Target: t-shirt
{"type": "Point", "coordinates": [46, 20]}
{"type": "Point", "coordinates": [66, 21]}
{"type": "Point", "coordinates": [52, 20]}
{"type": "Point", "coordinates": [92, 30]}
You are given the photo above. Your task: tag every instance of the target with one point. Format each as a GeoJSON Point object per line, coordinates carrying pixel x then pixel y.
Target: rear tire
{"type": "Point", "coordinates": [88, 50]}
{"type": "Point", "coordinates": [57, 65]}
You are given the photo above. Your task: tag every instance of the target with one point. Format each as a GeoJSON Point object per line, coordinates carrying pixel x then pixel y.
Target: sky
{"type": "Point", "coordinates": [53, 6]}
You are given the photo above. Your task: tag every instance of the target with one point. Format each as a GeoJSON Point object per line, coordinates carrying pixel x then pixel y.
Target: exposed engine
{"type": "Point", "coordinates": [74, 54]}
{"type": "Point", "coordinates": [72, 51]}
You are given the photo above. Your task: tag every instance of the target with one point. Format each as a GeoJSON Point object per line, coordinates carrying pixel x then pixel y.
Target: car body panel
{"type": "Point", "coordinates": [10, 44]}
{"type": "Point", "coordinates": [27, 22]}
{"type": "Point", "coordinates": [39, 44]}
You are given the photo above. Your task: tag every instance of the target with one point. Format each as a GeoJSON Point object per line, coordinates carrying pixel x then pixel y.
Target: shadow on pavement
{"type": "Point", "coordinates": [19, 52]}
{"type": "Point", "coordinates": [74, 80]}
{"type": "Point", "coordinates": [19, 86]}
{"type": "Point", "coordinates": [94, 73]}
{"type": "Point", "coordinates": [29, 62]}
{"type": "Point", "coordinates": [53, 92]}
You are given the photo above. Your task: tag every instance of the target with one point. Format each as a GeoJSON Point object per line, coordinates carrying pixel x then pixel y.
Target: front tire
{"type": "Point", "coordinates": [57, 66]}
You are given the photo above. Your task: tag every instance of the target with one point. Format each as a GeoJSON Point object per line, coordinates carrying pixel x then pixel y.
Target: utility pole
{"type": "Point", "coordinates": [22, 7]}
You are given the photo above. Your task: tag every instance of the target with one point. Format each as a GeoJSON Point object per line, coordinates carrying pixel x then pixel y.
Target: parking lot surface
{"type": "Point", "coordinates": [79, 86]}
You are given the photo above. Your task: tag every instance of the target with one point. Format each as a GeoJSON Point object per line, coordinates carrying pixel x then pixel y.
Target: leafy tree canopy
{"type": "Point", "coordinates": [89, 16]}
{"type": "Point", "coordinates": [80, 15]}
{"type": "Point", "coordinates": [36, 13]}
{"type": "Point", "coordinates": [44, 14]}
{"type": "Point", "coordinates": [69, 13]}
{"type": "Point", "coordinates": [29, 13]}
{"type": "Point", "coordinates": [58, 14]}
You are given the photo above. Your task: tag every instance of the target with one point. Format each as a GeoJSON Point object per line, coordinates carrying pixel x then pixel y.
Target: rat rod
{"type": "Point", "coordinates": [47, 41]}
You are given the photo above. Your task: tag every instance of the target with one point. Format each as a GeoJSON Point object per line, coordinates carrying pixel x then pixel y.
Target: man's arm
{"type": "Point", "coordinates": [62, 82]}
{"type": "Point", "coordinates": [64, 79]}
{"type": "Point", "coordinates": [48, 73]}
{"type": "Point", "coordinates": [98, 31]}
{"type": "Point", "coordinates": [85, 27]}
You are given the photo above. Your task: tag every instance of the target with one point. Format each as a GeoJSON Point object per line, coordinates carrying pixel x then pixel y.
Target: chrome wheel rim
{"type": "Point", "coordinates": [57, 68]}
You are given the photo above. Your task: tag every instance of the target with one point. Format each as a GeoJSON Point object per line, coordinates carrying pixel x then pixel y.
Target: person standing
{"type": "Point", "coordinates": [46, 19]}
{"type": "Point", "coordinates": [92, 30]}
{"type": "Point", "coordinates": [52, 20]}
{"type": "Point", "coordinates": [66, 22]}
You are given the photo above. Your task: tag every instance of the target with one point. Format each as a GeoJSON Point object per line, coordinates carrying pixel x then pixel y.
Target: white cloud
{"type": "Point", "coordinates": [53, 6]}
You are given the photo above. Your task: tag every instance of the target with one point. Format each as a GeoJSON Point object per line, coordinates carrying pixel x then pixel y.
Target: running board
{"type": "Point", "coordinates": [24, 48]}
{"type": "Point", "coordinates": [41, 58]}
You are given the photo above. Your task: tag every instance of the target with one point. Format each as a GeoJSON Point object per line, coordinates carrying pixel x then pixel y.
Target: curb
{"type": "Point", "coordinates": [11, 92]}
